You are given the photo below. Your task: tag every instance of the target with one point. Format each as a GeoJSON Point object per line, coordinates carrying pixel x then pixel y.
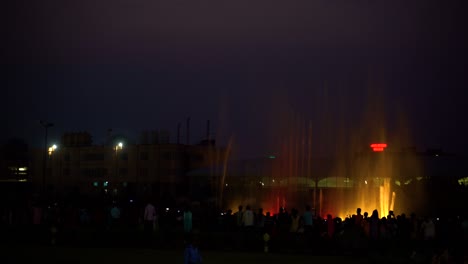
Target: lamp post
{"type": "Point", "coordinates": [117, 147]}
{"type": "Point", "coordinates": [51, 151]}
{"type": "Point", "coordinates": [46, 126]}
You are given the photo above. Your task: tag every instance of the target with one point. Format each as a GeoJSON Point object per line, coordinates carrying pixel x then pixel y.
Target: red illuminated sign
{"type": "Point", "coordinates": [378, 147]}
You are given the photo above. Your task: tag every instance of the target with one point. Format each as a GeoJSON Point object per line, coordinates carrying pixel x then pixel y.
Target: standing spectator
{"type": "Point", "coordinates": [37, 220]}
{"type": "Point", "coordinates": [229, 221]}
{"type": "Point", "coordinates": [269, 224]}
{"type": "Point", "coordinates": [37, 214]}
{"type": "Point", "coordinates": [428, 229]}
{"type": "Point", "coordinates": [187, 220]}
{"type": "Point", "coordinates": [366, 225]}
{"type": "Point", "coordinates": [294, 227]}
{"type": "Point", "coordinates": [374, 225]}
{"type": "Point", "coordinates": [149, 218]}
{"type": "Point", "coordinates": [248, 221]}
{"type": "Point", "coordinates": [282, 220]}
{"type": "Point", "coordinates": [260, 219]}
{"type": "Point", "coordinates": [358, 219]}
{"type": "Point", "coordinates": [238, 220]}
{"type": "Point", "coordinates": [308, 220]}
{"type": "Point", "coordinates": [191, 252]}
{"type": "Point", "coordinates": [115, 215]}
{"type": "Point", "coordinates": [248, 217]}
{"type": "Point", "coordinates": [464, 226]}
{"type": "Point", "coordinates": [330, 227]}
{"type": "Point", "coordinates": [239, 217]}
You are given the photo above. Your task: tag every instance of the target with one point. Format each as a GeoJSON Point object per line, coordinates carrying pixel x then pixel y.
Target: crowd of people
{"type": "Point", "coordinates": [246, 229]}
{"type": "Point", "coordinates": [357, 233]}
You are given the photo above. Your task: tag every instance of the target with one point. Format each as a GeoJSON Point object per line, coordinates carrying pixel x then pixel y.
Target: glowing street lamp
{"type": "Point", "coordinates": [119, 146]}
{"type": "Point", "coordinates": [52, 149]}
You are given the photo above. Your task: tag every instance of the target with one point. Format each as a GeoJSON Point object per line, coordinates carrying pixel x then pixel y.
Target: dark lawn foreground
{"type": "Point", "coordinates": [53, 255]}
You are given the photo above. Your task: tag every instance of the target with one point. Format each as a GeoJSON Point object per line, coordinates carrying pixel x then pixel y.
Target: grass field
{"type": "Point", "coordinates": [55, 255]}
{"type": "Point", "coordinates": [21, 246]}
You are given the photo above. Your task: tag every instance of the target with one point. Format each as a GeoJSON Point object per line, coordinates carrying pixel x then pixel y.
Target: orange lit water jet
{"type": "Point", "coordinates": [359, 177]}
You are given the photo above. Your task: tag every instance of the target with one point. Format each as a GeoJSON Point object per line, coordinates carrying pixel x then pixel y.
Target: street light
{"type": "Point", "coordinates": [117, 147]}
{"type": "Point", "coordinates": [46, 126]}
{"type": "Point", "coordinates": [52, 149]}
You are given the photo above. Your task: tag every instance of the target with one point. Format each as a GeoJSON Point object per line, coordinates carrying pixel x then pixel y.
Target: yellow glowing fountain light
{"type": "Point", "coordinates": [385, 201]}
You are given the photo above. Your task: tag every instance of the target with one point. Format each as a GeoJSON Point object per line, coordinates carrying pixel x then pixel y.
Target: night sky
{"type": "Point", "coordinates": [248, 66]}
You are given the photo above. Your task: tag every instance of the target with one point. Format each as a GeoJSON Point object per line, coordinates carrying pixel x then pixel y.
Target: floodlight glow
{"type": "Point", "coordinates": [119, 146]}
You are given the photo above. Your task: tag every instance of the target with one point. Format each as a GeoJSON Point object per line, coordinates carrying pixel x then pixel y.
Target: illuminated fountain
{"type": "Point", "coordinates": [283, 179]}
{"type": "Point", "coordinates": [359, 177]}
{"type": "Point", "coordinates": [293, 178]}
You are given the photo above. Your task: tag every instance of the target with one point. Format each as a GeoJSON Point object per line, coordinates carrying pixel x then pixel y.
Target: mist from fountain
{"type": "Point", "coordinates": [356, 177]}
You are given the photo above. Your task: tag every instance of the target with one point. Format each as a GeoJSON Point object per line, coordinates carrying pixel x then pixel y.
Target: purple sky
{"type": "Point", "coordinates": [141, 64]}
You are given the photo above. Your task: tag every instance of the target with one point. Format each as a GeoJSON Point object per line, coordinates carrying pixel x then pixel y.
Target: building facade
{"type": "Point", "coordinates": [153, 168]}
